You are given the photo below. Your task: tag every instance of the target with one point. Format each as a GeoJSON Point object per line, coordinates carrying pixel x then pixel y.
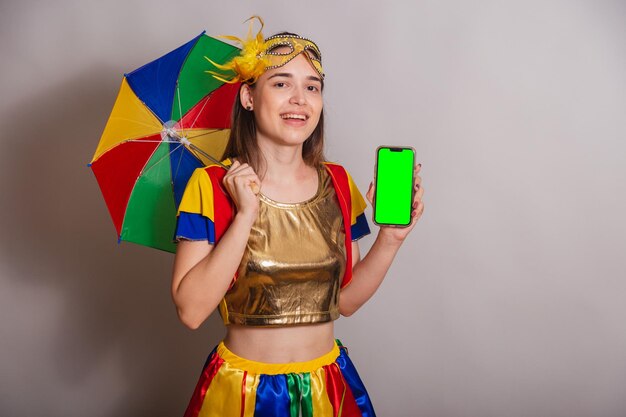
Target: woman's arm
{"type": "Point", "coordinates": [368, 274]}
{"type": "Point", "coordinates": [202, 272]}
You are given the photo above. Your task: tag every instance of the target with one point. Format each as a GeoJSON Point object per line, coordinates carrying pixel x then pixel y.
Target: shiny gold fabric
{"type": "Point", "coordinates": [292, 267]}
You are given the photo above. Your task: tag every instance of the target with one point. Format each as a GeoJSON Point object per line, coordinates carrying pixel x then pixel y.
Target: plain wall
{"type": "Point", "coordinates": [508, 299]}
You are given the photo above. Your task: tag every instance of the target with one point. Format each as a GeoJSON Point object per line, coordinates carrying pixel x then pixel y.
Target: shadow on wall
{"type": "Point", "coordinates": [116, 310]}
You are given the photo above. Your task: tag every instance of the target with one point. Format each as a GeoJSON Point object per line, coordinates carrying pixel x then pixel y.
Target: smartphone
{"type": "Point", "coordinates": [393, 195]}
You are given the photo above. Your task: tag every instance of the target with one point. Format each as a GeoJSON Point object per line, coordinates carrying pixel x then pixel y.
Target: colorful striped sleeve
{"type": "Point", "coordinates": [196, 213]}
{"type": "Point", "coordinates": [359, 226]}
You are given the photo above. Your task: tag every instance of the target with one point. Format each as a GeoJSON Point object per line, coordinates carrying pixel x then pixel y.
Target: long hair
{"type": "Point", "coordinates": [242, 142]}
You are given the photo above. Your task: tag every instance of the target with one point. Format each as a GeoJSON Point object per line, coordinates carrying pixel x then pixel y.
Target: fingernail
{"type": "Point", "coordinates": [420, 165]}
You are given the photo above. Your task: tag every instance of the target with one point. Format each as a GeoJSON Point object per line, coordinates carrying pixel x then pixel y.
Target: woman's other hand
{"type": "Point", "coordinates": [243, 185]}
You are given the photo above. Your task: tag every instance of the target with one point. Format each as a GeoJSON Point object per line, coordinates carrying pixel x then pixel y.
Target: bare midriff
{"type": "Point", "coordinates": [280, 344]}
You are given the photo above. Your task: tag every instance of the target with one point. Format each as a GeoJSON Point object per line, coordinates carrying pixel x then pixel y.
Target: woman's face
{"type": "Point", "coordinates": [287, 102]}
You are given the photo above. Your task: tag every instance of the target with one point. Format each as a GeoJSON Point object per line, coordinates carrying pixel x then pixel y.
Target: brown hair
{"type": "Point", "coordinates": [242, 142]}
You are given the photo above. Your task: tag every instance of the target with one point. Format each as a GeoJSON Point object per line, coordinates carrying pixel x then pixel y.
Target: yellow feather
{"type": "Point", "coordinates": [249, 65]}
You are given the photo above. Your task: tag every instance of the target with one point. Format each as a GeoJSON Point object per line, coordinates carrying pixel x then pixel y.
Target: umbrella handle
{"type": "Point", "coordinates": [200, 151]}
{"type": "Point", "coordinates": [254, 186]}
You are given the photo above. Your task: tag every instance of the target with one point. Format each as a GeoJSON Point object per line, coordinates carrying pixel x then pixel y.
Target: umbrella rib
{"type": "Point", "coordinates": [198, 114]}
{"type": "Point", "coordinates": [180, 158]}
{"type": "Point", "coordinates": [193, 147]}
{"type": "Point", "coordinates": [150, 141]}
{"type": "Point", "coordinates": [162, 158]}
{"type": "Point", "coordinates": [205, 133]}
{"type": "Point", "coordinates": [206, 155]}
{"type": "Point", "coordinates": [180, 109]}
{"type": "Point", "coordinates": [133, 121]}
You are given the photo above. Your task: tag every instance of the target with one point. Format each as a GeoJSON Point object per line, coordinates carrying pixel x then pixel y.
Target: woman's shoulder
{"type": "Point", "coordinates": [212, 170]}
{"type": "Point", "coordinates": [207, 180]}
{"type": "Point", "coordinates": [334, 167]}
{"type": "Point", "coordinates": [337, 171]}
{"type": "Point", "coordinates": [332, 164]}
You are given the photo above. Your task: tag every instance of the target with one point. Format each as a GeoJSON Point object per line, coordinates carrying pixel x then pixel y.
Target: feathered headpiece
{"type": "Point", "coordinates": [257, 55]}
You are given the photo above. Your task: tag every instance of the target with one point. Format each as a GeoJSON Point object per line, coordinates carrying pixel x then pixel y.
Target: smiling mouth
{"type": "Point", "coordinates": [295, 116]}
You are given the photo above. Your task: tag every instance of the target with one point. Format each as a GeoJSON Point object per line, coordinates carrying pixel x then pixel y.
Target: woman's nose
{"type": "Point", "coordinates": [298, 98]}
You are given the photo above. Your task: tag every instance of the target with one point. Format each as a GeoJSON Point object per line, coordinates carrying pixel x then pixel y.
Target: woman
{"type": "Point", "coordinates": [282, 226]}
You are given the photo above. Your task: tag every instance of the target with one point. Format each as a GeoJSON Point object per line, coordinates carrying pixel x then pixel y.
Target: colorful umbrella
{"type": "Point", "coordinates": [169, 118]}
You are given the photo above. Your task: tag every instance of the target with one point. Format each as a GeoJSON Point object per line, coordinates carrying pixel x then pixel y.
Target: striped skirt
{"type": "Point", "coordinates": [231, 386]}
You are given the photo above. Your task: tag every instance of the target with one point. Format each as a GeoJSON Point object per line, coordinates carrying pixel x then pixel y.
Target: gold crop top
{"type": "Point", "coordinates": [293, 264]}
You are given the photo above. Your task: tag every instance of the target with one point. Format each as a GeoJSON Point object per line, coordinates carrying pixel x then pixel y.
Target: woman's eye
{"type": "Point", "coordinates": [279, 85]}
{"type": "Point", "coordinates": [312, 88]}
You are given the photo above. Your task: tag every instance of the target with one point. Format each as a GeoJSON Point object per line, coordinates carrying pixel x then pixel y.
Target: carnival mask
{"type": "Point", "coordinates": [259, 54]}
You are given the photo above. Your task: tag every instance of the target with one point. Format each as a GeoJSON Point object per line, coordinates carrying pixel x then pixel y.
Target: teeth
{"type": "Point", "coordinates": [294, 116]}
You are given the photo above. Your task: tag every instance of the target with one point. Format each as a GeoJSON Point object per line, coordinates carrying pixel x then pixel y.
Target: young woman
{"type": "Point", "coordinates": [283, 260]}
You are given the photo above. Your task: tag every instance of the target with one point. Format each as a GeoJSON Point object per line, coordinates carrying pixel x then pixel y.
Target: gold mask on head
{"type": "Point", "coordinates": [297, 45]}
{"type": "Point", "coordinates": [259, 54]}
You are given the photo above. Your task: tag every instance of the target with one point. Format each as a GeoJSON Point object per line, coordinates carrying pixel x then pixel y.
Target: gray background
{"type": "Point", "coordinates": [506, 300]}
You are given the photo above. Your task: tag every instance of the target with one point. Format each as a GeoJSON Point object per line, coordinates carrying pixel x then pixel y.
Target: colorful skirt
{"type": "Point", "coordinates": [231, 386]}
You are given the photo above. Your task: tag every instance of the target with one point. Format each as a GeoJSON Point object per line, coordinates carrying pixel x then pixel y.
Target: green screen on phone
{"type": "Point", "coordinates": [394, 186]}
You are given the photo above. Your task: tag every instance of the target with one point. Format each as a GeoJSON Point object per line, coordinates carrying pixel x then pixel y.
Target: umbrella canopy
{"type": "Point", "coordinates": [170, 117]}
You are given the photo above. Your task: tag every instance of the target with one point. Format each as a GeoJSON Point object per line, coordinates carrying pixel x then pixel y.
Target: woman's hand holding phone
{"type": "Point", "coordinates": [417, 208]}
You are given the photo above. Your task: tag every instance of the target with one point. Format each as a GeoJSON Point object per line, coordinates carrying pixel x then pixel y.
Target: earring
{"type": "Point", "coordinates": [249, 108]}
